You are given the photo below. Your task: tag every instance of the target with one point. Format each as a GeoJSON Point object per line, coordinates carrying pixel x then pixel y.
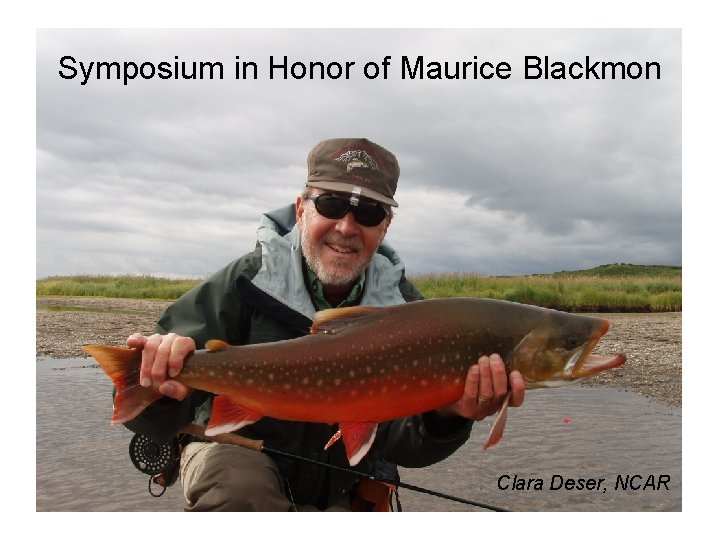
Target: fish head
{"type": "Point", "coordinates": [559, 352]}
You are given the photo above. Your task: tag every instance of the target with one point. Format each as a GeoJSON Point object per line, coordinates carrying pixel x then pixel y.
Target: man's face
{"type": "Point", "coordinates": [337, 250]}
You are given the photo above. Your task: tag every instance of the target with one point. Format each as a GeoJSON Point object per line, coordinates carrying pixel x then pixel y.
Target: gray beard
{"type": "Point", "coordinates": [336, 274]}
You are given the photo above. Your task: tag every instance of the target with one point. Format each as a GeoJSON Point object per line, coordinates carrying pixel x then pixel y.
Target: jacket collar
{"type": "Point", "coordinates": [281, 272]}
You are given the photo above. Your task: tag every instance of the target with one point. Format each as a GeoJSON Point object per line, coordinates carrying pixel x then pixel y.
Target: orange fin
{"type": "Point", "coordinates": [335, 438]}
{"type": "Point", "coordinates": [215, 345]}
{"type": "Point", "coordinates": [331, 321]}
{"type": "Point", "coordinates": [122, 365]}
{"type": "Point", "coordinates": [358, 438]}
{"type": "Point", "coordinates": [498, 427]}
{"type": "Point", "coordinates": [227, 416]}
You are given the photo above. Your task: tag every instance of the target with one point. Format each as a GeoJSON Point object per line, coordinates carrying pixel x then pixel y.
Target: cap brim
{"type": "Point", "coordinates": [352, 188]}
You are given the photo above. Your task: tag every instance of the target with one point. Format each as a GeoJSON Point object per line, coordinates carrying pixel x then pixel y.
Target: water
{"type": "Point", "coordinates": [83, 462]}
{"type": "Point", "coordinates": [611, 433]}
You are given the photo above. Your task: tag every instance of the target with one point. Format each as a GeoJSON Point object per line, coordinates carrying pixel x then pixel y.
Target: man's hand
{"type": "Point", "coordinates": [485, 388]}
{"type": "Point", "coordinates": [163, 356]}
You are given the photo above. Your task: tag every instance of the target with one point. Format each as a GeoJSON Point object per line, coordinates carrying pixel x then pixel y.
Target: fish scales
{"type": "Point", "coordinates": [331, 377]}
{"type": "Point", "coordinates": [366, 365]}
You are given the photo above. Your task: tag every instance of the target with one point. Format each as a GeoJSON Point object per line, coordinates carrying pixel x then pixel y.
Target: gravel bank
{"type": "Point", "coordinates": [651, 341]}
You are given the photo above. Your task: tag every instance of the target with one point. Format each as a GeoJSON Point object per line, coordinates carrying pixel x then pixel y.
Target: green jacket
{"type": "Point", "coordinates": [262, 297]}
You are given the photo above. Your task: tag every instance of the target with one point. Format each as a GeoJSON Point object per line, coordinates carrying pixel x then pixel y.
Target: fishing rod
{"type": "Point", "coordinates": [141, 455]}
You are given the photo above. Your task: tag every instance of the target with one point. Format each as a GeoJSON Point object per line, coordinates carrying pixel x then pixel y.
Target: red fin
{"type": "Point", "coordinates": [335, 438]}
{"type": "Point", "coordinates": [358, 438]}
{"type": "Point", "coordinates": [336, 320]}
{"type": "Point", "coordinates": [214, 345]}
{"type": "Point", "coordinates": [227, 416]}
{"type": "Point", "coordinates": [498, 427]}
{"type": "Point", "coordinates": [123, 367]}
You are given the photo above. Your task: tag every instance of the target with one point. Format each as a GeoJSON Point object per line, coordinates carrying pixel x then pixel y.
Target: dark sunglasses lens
{"type": "Point", "coordinates": [367, 215]}
{"type": "Point", "coordinates": [332, 207]}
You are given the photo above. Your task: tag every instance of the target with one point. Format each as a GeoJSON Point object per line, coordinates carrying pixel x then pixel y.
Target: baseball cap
{"type": "Point", "coordinates": [357, 166]}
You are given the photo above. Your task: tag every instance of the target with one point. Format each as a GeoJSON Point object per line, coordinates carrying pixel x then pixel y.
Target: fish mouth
{"type": "Point", "coordinates": [596, 363]}
{"type": "Point", "coordinates": [583, 364]}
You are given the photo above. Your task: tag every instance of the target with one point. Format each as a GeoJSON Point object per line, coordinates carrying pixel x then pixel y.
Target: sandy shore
{"type": "Point", "coordinates": [651, 341]}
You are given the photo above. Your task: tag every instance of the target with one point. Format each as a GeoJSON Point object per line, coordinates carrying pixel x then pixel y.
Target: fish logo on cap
{"type": "Point", "coordinates": [358, 159]}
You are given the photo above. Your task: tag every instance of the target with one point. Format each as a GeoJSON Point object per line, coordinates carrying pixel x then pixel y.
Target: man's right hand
{"type": "Point", "coordinates": [163, 357]}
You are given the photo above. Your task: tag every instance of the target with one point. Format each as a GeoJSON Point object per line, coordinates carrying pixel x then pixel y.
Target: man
{"type": "Point", "coordinates": [325, 251]}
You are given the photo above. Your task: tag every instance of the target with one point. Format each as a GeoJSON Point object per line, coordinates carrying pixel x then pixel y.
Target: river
{"type": "Point", "coordinates": [574, 432]}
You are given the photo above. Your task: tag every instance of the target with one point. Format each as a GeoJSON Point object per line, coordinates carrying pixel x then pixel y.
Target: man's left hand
{"type": "Point", "coordinates": [485, 388]}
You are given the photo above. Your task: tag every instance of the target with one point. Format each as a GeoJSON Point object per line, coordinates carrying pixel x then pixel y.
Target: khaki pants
{"type": "Point", "coordinates": [226, 477]}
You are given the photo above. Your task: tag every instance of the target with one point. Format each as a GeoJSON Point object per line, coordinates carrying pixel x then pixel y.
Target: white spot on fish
{"type": "Point", "coordinates": [306, 380]}
{"type": "Point", "coordinates": [337, 382]}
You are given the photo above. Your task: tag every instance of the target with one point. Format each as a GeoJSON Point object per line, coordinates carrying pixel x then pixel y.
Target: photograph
{"type": "Point", "coordinates": [359, 269]}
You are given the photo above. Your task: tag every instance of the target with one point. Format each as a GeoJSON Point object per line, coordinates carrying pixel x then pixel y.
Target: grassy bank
{"type": "Point", "coordinates": [610, 288]}
{"type": "Point", "coordinates": [128, 286]}
{"type": "Point", "coordinates": [607, 288]}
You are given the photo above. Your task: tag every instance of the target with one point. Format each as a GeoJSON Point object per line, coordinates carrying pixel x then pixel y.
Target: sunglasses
{"type": "Point", "coordinates": [364, 213]}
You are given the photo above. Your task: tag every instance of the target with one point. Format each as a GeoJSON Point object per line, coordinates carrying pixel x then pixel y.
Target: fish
{"type": "Point", "coordinates": [361, 366]}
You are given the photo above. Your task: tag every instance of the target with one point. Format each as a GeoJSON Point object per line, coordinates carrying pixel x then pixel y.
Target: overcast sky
{"type": "Point", "coordinates": [513, 176]}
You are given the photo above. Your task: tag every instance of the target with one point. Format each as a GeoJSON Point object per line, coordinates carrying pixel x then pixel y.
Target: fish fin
{"type": "Point", "coordinates": [215, 345]}
{"type": "Point", "coordinates": [227, 416]}
{"type": "Point", "coordinates": [335, 438]}
{"type": "Point", "coordinates": [358, 438]}
{"type": "Point", "coordinates": [122, 365]}
{"type": "Point", "coordinates": [331, 321]}
{"type": "Point", "coordinates": [498, 427]}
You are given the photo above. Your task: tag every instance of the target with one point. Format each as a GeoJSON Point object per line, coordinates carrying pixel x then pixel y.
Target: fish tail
{"type": "Point", "coordinates": [123, 367]}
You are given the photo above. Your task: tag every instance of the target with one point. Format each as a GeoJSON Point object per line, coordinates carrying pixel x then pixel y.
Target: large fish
{"type": "Point", "coordinates": [364, 365]}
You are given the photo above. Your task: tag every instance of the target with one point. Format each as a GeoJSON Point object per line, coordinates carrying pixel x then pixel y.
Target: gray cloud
{"type": "Point", "coordinates": [497, 176]}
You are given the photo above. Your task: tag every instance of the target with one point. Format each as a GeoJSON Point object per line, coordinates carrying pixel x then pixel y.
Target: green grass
{"type": "Point", "coordinates": [127, 286]}
{"type": "Point", "coordinates": [607, 288]}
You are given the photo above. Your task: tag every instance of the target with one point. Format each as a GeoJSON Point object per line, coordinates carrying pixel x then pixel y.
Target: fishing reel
{"type": "Point", "coordinates": [160, 461]}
